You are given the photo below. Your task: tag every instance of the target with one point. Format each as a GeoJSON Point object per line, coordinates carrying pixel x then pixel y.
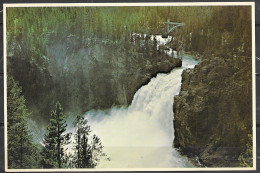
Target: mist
{"type": "Point", "coordinates": [142, 134]}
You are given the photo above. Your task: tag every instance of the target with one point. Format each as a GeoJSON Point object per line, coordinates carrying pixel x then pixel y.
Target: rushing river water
{"type": "Point", "coordinates": [141, 136]}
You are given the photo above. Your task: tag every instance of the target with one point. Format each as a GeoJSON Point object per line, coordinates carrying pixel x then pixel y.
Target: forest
{"type": "Point", "coordinates": [65, 61]}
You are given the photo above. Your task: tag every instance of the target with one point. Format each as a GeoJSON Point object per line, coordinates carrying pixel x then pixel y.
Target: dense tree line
{"type": "Point", "coordinates": [60, 49]}
{"type": "Point", "coordinates": [221, 31]}
{"type": "Point", "coordinates": [206, 28]}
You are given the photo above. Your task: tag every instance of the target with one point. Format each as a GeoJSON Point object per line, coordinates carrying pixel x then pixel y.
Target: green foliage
{"type": "Point", "coordinates": [22, 153]}
{"type": "Point", "coordinates": [87, 151]}
{"type": "Point", "coordinates": [55, 140]}
{"type": "Point", "coordinates": [246, 158]}
{"type": "Point", "coordinates": [223, 31]}
{"type": "Point", "coordinates": [208, 25]}
{"type": "Point", "coordinates": [82, 154]}
{"type": "Point", "coordinates": [59, 50]}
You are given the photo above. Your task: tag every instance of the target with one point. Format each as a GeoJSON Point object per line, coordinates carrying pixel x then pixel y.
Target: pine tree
{"type": "Point", "coordinates": [96, 151]}
{"type": "Point", "coordinates": [55, 140]}
{"type": "Point", "coordinates": [81, 137]}
{"type": "Point", "coordinates": [88, 150]}
{"type": "Point", "coordinates": [19, 139]}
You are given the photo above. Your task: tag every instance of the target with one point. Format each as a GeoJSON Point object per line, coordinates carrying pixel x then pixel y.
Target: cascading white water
{"type": "Point", "coordinates": [141, 136]}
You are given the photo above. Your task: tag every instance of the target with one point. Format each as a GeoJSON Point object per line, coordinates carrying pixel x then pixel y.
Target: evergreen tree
{"type": "Point", "coordinates": [55, 140]}
{"type": "Point", "coordinates": [82, 158]}
{"type": "Point", "coordinates": [96, 151]}
{"type": "Point", "coordinates": [88, 151]}
{"type": "Point", "coordinates": [19, 139]}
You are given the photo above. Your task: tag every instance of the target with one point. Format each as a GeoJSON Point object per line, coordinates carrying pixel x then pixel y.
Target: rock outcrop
{"type": "Point", "coordinates": [213, 111]}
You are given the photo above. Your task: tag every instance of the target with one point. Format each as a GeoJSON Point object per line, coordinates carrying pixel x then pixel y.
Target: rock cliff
{"type": "Point", "coordinates": [85, 74]}
{"type": "Point", "coordinates": [213, 111]}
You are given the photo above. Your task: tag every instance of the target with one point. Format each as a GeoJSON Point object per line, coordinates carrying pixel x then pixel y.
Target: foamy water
{"type": "Point", "coordinates": [141, 136]}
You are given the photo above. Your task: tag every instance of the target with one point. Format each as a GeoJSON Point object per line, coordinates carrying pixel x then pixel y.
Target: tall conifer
{"type": "Point", "coordinates": [19, 139]}
{"type": "Point", "coordinates": [88, 149]}
{"type": "Point", "coordinates": [55, 140]}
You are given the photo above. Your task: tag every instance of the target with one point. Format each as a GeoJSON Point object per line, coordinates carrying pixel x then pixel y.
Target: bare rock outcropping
{"type": "Point", "coordinates": [213, 112]}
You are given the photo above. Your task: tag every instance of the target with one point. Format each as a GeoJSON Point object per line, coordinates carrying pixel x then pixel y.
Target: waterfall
{"type": "Point", "coordinates": [141, 136]}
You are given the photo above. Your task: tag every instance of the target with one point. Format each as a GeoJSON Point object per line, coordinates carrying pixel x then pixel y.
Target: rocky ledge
{"type": "Point", "coordinates": [213, 112]}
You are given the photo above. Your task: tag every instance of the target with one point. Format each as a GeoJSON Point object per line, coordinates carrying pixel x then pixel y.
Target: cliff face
{"type": "Point", "coordinates": [213, 112]}
{"type": "Point", "coordinates": [87, 74]}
